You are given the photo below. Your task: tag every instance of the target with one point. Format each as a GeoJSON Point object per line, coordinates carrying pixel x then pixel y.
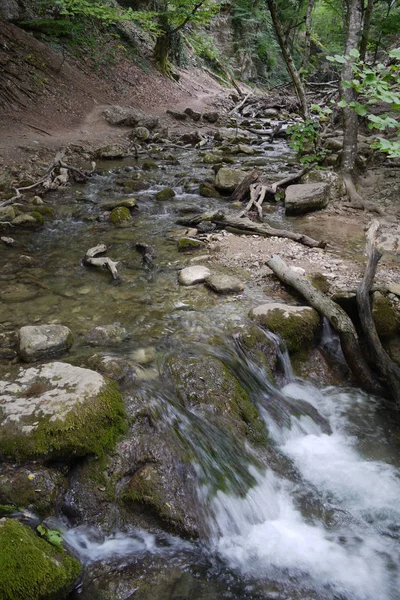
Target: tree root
{"type": "Point", "coordinates": [356, 201]}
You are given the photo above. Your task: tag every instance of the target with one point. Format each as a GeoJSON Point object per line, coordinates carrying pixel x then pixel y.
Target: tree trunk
{"type": "Point", "coordinates": [388, 369]}
{"type": "Point", "coordinates": [366, 29]}
{"type": "Point", "coordinates": [161, 52]}
{"type": "Point", "coordinates": [294, 74]}
{"type": "Point", "coordinates": [336, 316]}
{"type": "Point", "coordinates": [307, 39]}
{"type": "Point", "coordinates": [350, 118]}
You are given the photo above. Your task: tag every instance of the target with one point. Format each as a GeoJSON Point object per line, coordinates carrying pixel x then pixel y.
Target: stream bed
{"type": "Point", "coordinates": [313, 515]}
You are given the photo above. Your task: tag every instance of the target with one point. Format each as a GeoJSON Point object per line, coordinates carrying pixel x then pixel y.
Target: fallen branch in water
{"type": "Point", "coordinates": [92, 259]}
{"type": "Point", "coordinates": [336, 316]}
{"type": "Point", "coordinates": [223, 221]}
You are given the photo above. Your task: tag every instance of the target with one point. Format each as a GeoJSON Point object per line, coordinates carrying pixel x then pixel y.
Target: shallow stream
{"type": "Point", "coordinates": [321, 520]}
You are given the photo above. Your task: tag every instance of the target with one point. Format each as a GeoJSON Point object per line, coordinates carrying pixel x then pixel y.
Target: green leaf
{"type": "Point", "coordinates": [342, 103]}
{"type": "Point", "coordinates": [51, 535]}
{"type": "Point", "coordinates": [354, 53]}
{"type": "Point", "coordinates": [395, 53]}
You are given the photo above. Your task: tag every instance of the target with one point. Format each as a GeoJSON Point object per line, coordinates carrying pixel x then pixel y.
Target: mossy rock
{"type": "Point", "coordinates": [320, 282]}
{"type": "Point", "coordinates": [149, 165]}
{"type": "Point", "coordinates": [135, 185]}
{"type": "Point", "coordinates": [32, 486]}
{"type": "Point", "coordinates": [165, 194]}
{"type": "Point", "coordinates": [295, 325]}
{"type": "Point", "coordinates": [58, 411]}
{"type": "Point", "coordinates": [260, 349]}
{"type": "Point", "coordinates": [386, 318]}
{"type": "Point", "coordinates": [31, 568]}
{"type": "Point", "coordinates": [31, 219]}
{"type": "Point", "coordinates": [207, 190]}
{"type": "Point", "coordinates": [207, 383]}
{"type": "Point", "coordinates": [45, 211]}
{"type": "Point", "coordinates": [186, 244]}
{"type": "Point", "coordinates": [120, 215]}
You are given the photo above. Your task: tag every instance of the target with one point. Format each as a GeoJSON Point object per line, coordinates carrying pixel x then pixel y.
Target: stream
{"type": "Point", "coordinates": [314, 517]}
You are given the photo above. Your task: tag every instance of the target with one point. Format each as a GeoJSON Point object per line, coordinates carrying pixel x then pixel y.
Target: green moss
{"type": "Point", "coordinates": [39, 493]}
{"type": "Point", "coordinates": [92, 428]}
{"type": "Point", "coordinates": [119, 215]}
{"type": "Point", "coordinates": [39, 217]}
{"type": "Point", "coordinates": [46, 211]}
{"type": "Point", "coordinates": [296, 330]}
{"type": "Point", "coordinates": [135, 186]}
{"type": "Point", "coordinates": [260, 349]}
{"type": "Point", "coordinates": [185, 244]}
{"type": "Point", "coordinates": [165, 194]}
{"type": "Point", "coordinates": [385, 316]}
{"type": "Point", "coordinates": [207, 190]}
{"type": "Point", "coordinates": [30, 568]}
{"type": "Point", "coordinates": [320, 282]}
{"type": "Point", "coordinates": [150, 165]}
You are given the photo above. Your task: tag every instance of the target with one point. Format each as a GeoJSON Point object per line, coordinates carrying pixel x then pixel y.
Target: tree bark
{"type": "Point", "coordinates": [336, 316]}
{"type": "Point", "coordinates": [366, 29]}
{"type": "Point", "coordinates": [350, 118]}
{"type": "Point", "coordinates": [388, 369]}
{"type": "Point", "coordinates": [307, 39]}
{"type": "Point", "coordinates": [294, 74]}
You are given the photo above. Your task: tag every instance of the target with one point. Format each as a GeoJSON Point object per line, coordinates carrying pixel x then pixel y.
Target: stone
{"type": "Point", "coordinates": [37, 342]}
{"type": "Point", "coordinates": [150, 123]}
{"type": "Point", "coordinates": [32, 219]}
{"type": "Point", "coordinates": [386, 318]}
{"type": "Point", "coordinates": [224, 284]}
{"type": "Point", "coordinates": [211, 116]}
{"type": "Point", "coordinates": [212, 158]}
{"type": "Point", "coordinates": [141, 133]}
{"type": "Point", "coordinates": [31, 567]}
{"type": "Point", "coordinates": [394, 288]}
{"type": "Point", "coordinates": [106, 335]}
{"type": "Point", "coordinates": [133, 185]}
{"type": "Point", "coordinates": [7, 213]}
{"type": "Point", "coordinates": [246, 149]}
{"type": "Point", "coordinates": [8, 241]}
{"type": "Point", "coordinates": [185, 244]}
{"type": "Point", "coordinates": [165, 194]}
{"type": "Point", "coordinates": [306, 197]}
{"type": "Point", "coordinates": [111, 151]}
{"type": "Point", "coordinates": [179, 116]}
{"type": "Point", "coordinates": [333, 143]}
{"type": "Point", "coordinates": [120, 216]}
{"type": "Point", "coordinates": [193, 114]}
{"type": "Point", "coordinates": [270, 113]}
{"type": "Point", "coordinates": [37, 201]}
{"type": "Point", "coordinates": [123, 116]}
{"type": "Point", "coordinates": [207, 190]}
{"type": "Point", "coordinates": [58, 411]}
{"type": "Point", "coordinates": [295, 325]}
{"type": "Point", "coordinates": [193, 137]}
{"type": "Point", "coordinates": [113, 367]}
{"type": "Point", "coordinates": [193, 275]}
{"type": "Point", "coordinates": [150, 165]}
{"type": "Point", "coordinates": [129, 203]}
{"type": "Point", "coordinates": [227, 179]}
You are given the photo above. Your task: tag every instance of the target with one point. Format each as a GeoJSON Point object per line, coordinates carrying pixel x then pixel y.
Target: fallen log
{"type": "Point", "coordinates": [336, 316]}
{"type": "Point", "coordinates": [242, 191]}
{"type": "Point", "coordinates": [223, 221]}
{"type": "Point", "coordinates": [387, 368]}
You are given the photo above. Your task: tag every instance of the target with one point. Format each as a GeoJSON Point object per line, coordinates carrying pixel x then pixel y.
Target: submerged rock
{"type": "Point", "coordinates": [31, 568]}
{"type": "Point", "coordinates": [113, 367]}
{"type": "Point", "coordinates": [37, 342]}
{"type": "Point", "coordinates": [106, 335]}
{"type": "Point", "coordinates": [306, 197]}
{"type": "Point", "coordinates": [193, 275]}
{"type": "Point", "coordinates": [224, 284]}
{"type": "Point", "coordinates": [58, 411]}
{"type": "Point", "coordinates": [165, 194]}
{"type": "Point", "coordinates": [296, 325]}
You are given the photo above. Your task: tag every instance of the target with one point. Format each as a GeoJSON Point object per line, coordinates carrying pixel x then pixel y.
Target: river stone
{"type": "Point", "coordinates": [30, 567]}
{"type": "Point", "coordinates": [165, 194]}
{"type": "Point", "coordinates": [186, 244]}
{"type": "Point", "coordinates": [227, 179]}
{"type": "Point", "coordinates": [28, 220]}
{"type": "Point", "coordinates": [36, 342]}
{"type": "Point", "coordinates": [141, 133]}
{"type": "Point", "coordinates": [211, 116]}
{"type": "Point", "coordinates": [246, 149]}
{"type": "Point", "coordinates": [58, 411]}
{"type": "Point", "coordinates": [305, 197]}
{"type": "Point", "coordinates": [106, 335]}
{"type": "Point", "coordinates": [207, 190]}
{"type": "Point", "coordinates": [123, 116]}
{"type": "Point", "coordinates": [7, 213]}
{"type": "Point", "coordinates": [224, 284]}
{"type": "Point", "coordinates": [193, 114]}
{"type": "Point", "coordinates": [120, 216]}
{"type": "Point", "coordinates": [124, 202]}
{"type": "Point", "coordinates": [394, 288]}
{"type": "Point", "coordinates": [386, 318]}
{"type": "Point", "coordinates": [144, 356]}
{"type": "Point", "coordinates": [193, 275]}
{"type": "Point", "coordinates": [296, 325]}
{"type": "Point", "coordinates": [113, 367]}
{"type": "Point", "coordinates": [18, 292]}
{"type": "Point", "coordinates": [179, 116]}
{"type": "Point", "coordinates": [111, 151]}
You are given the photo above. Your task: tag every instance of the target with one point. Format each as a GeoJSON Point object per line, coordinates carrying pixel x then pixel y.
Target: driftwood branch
{"type": "Point", "coordinates": [388, 369]}
{"type": "Point", "coordinates": [336, 316]}
{"type": "Point", "coordinates": [222, 221]}
{"type": "Point", "coordinates": [92, 259]}
{"type": "Point", "coordinates": [242, 191]}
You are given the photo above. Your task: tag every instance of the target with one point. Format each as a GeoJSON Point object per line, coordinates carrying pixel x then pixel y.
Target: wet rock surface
{"type": "Point", "coordinates": [43, 341]}
{"type": "Point", "coordinates": [306, 197]}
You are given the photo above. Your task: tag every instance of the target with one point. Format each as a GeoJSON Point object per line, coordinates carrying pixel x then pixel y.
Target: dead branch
{"type": "Point", "coordinates": [92, 259]}
{"type": "Point", "coordinates": [223, 221]}
{"type": "Point", "coordinates": [242, 191]}
{"type": "Point", "coordinates": [336, 316]}
{"type": "Point", "coordinates": [388, 369]}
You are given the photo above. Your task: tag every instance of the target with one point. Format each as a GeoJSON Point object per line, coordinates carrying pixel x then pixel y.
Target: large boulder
{"type": "Point", "coordinates": [386, 317]}
{"type": "Point", "coordinates": [31, 568]}
{"type": "Point", "coordinates": [36, 342]}
{"type": "Point", "coordinates": [58, 411]}
{"type": "Point", "coordinates": [305, 197]}
{"type": "Point", "coordinates": [227, 179]}
{"type": "Point", "coordinates": [295, 325]}
{"type": "Point", "coordinates": [124, 116]}
{"type": "Point", "coordinates": [224, 284]}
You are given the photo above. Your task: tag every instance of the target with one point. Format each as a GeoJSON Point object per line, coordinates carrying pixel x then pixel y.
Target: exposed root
{"type": "Point", "coordinates": [356, 201]}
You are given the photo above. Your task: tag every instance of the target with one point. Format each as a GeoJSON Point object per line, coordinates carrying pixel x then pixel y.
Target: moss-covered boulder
{"type": "Point", "coordinates": [259, 348]}
{"type": "Point", "coordinates": [31, 568]}
{"type": "Point", "coordinates": [121, 216]}
{"type": "Point", "coordinates": [149, 165]}
{"type": "Point", "coordinates": [58, 411]}
{"type": "Point", "coordinates": [206, 383]}
{"type": "Point", "coordinates": [188, 244]}
{"type": "Point", "coordinates": [135, 185]}
{"type": "Point", "coordinates": [207, 190]}
{"type": "Point", "coordinates": [165, 194]}
{"type": "Point", "coordinates": [295, 325]}
{"type": "Point", "coordinates": [386, 317]}
{"type": "Point", "coordinates": [113, 367]}
{"type": "Point", "coordinates": [130, 203]}
{"type": "Point", "coordinates": [32, 486]}
{"type": "Point", "coordinates": [31, 219]}
{"type": "Point", "coordinates": [227, 180]}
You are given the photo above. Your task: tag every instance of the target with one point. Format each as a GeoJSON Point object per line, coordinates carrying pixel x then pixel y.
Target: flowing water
{"type": "Point", "coordinates": [318, 519]}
